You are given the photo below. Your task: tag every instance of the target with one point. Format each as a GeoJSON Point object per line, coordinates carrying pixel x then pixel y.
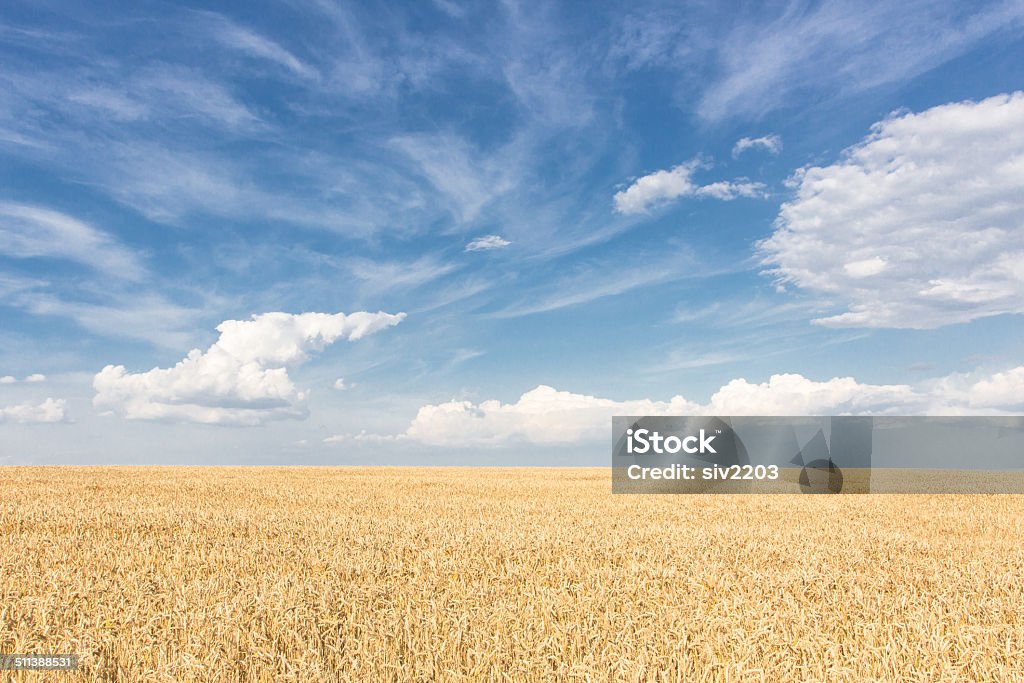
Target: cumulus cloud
{"type": "Point", "coordinates": [1003, 389]}
{"type": "Point", "coordinates": [769, 143]}
{"type": "Point", "coordinates": [663, 187]}
{"type": "Point", "coordinates": [50, 410]}
{"type": "Point", "coordinates": [547, 416]}
{"type": "Point", "coordinates": [794, 394]}
{"type": "Point", "coordinates": [727, 190]}
{"type": "Point", "coordinates": [991, 394]}
{"type": "Point", "coordinates": [36, 377]}
{"type": "Point", "coordinates": [8, 379]}
{"type": "Point", "coordinates": [919, 225]}
{"type": "Point", "coordinates": [487, 242]}
{"type": "Point", "coordinates": [340, 384]}
{"type": "Point", "coordinates": [542, 415]}
{"type": "Point", "coordinates": [242, 378]}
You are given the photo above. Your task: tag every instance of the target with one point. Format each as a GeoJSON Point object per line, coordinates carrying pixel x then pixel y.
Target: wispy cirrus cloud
{"type": "Point", "coordinates": [380, 276]}
{"type": "Point", "coordinates": [148, 317]}
{"type": "Point", "coordinates": [249, 42]}
{"type": "Point", "coordinates": [777, 53]}
{"type": "Point", "coordinates": [789, 49]}
{"type": "Point", "coordinates": [467, 178]}
{"type": "Point", "coordinates": [142, 135]}
{"type": "Point", "coordinates": [117, 301]}
{"type": "Point", "coordinates": [28, 231]}
{"type": "Point", "coordinates": [610, 276]}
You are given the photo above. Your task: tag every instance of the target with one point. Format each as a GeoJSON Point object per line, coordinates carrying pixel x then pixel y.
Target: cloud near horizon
{"type": "Point", "coordinates": [49, 411]}
{"type": "Point", "coordinates": [242, 379]}
{"type": "Point", "coordinates": [547, 416]}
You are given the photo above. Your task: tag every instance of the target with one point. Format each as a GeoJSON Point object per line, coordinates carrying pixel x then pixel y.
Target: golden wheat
{"type": "Point", "coordinates": [365, 574]}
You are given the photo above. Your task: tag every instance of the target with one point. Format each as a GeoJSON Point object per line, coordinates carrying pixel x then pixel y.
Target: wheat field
{"type": "Point", "coordinates": [424, 574]}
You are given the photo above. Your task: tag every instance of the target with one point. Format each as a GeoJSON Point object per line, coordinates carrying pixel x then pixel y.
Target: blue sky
{"type": "Point", "coordinates": [465, 232]}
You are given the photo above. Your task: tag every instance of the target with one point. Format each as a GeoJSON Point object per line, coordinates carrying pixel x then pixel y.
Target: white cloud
{"type": "Point", "coordinates": [364, 437]}
{"type": "Point", "coordinates": [920, 225]}
{"type": "Point", "coordinates": [794, 394]}
{"type": "Point", "coordinates": [547, 416]}
{"type": "Point", "coordinates": [487, 242]}
{"type": "Point", "coordinates": [727, 190]}
{"type": "Point", "coordinates": [340, 384]}
{"type": "Point", "coordinates": [663, 187]}
{"type": "Point", "coordinates": [31, 379]}
{"type": "Point", "coordinates": [770, 143]}
{"type": "Point", "coordinates": [242, 378]}
{"type": "Point", "coordinates": [985, 394]}
{"type": "Point", "coordinates": [30, 231]}
{"type": "Point", "coordinates": [542, 415]}
{"type": "Point", "coordinates": [1003, 389]}
{"type": "Point", "coordinates": [50, 410]}
{"type": "Point", "coordinates": [866, 268]}
{"type": "Point", "coordinates": [656, 188]}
